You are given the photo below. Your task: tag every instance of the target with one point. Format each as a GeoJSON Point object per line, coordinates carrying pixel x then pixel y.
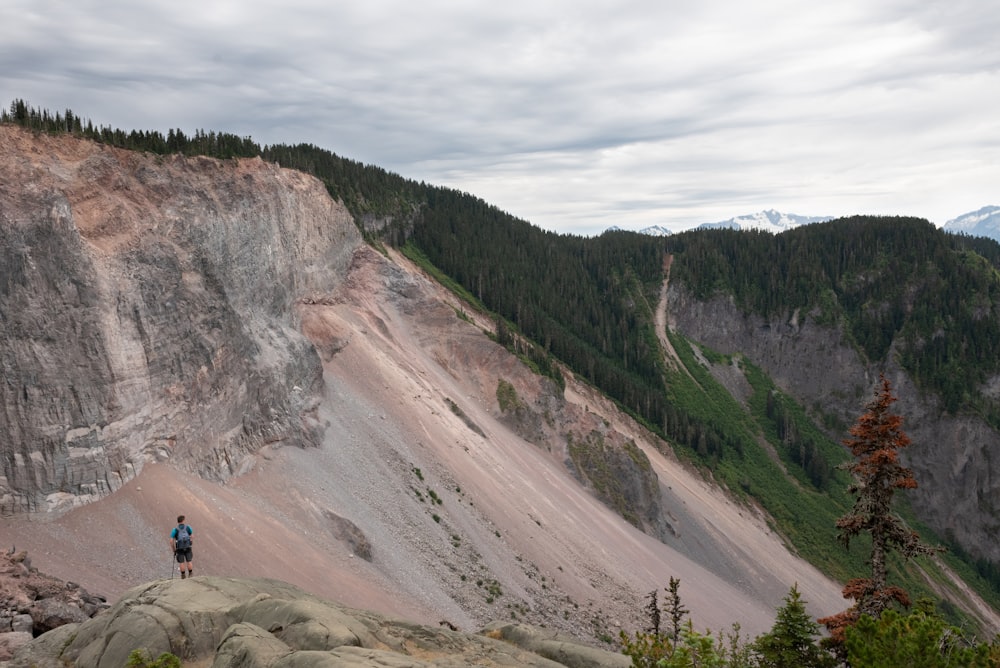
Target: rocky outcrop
{"type": "Point", "coordinates": [600, 457]}
{"type": "Point", "coordinates": [149, 313]}
{"type": "Point", "coordinates": [959, 488]}
{"type": "Point", "coordinates": [809, 361]}
{"type": "Point", "coordinates": [622, 477]}
{"type": "Point", "coordinates": [259, 623]}
{"type": "Point", "coordinates": [32, 603]}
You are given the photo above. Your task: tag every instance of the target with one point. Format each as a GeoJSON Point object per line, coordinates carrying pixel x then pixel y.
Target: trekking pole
{"type": "Point", "coordinates": [172, 559]}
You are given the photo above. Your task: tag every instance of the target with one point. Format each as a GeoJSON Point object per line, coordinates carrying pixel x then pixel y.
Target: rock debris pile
{"type": "Point", "coordinates": [32, 603]}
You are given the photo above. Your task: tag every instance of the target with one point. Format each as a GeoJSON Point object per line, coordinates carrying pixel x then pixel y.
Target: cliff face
{"type": "Point", "coordinates": [147, 313]}
{"type": "Point", "coordinates": [959, 482]}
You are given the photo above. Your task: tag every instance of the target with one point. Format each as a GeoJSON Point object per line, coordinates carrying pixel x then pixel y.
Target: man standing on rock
{"type": "Point", "coordinates": [180, 542]}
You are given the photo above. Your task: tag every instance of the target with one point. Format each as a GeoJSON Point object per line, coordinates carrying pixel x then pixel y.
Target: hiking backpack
{"type": "Point", "coordinates": [183, 540]}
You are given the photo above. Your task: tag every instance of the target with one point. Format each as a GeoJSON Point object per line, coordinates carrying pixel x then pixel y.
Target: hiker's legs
{"type": "Point", "coordinates": [184, 558]}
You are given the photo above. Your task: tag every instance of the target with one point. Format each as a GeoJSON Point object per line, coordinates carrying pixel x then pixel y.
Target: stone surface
{"type": "Point", "coordinates": [32, 603]}
{"type": "Point", "coordinates": [11, 641]}
{"type": "Point", "coordinates": [148, 309]}
{"type": "Point", "coordinates": [260, 623]}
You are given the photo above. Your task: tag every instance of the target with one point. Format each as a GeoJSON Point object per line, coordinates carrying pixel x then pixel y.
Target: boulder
{"type": "Point", "coordinates": [555, 646]}
{"type": "Point", "coordinates": [33, 603]}
{"type": "Point", "coordinates": [263, 623]}
{"type": "Point", "coordinates": [50, 613]}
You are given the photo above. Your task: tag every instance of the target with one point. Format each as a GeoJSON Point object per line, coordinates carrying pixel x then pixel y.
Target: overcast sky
{"type": "Point", "coordinates": [574, 115]}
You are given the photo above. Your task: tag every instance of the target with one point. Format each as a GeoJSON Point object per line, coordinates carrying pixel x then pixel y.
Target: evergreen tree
{"type": "Point", "coordinates": [675, 610]}
{"type": "Point", "coordinates": [791, 643]}
{"type": "Point", "coordinates": [877, 437]}
{"type": "Point", "coordinates": [920, 639]}
{"type": "Point", "coordinates": [691, 650]}
{"type": "Point", "coordinates": [653, 610]}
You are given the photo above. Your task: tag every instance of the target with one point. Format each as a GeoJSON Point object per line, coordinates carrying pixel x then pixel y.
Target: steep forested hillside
{"type": "Point", "coordinates": [887, 280]}
{"type": "Point", "coordinates": [893, 285]}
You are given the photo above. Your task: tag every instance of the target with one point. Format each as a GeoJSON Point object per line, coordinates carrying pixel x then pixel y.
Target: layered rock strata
{"type": "Point", "coordinates": [148, 313]}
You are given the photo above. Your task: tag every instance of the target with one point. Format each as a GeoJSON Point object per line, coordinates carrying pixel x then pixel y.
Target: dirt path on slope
{"type": "Point", "coordinates": [669, 353]}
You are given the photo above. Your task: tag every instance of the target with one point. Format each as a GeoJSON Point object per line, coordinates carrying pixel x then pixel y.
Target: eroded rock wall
{"type": "Point", "coordinates": [147, 310]}
{"type": "Point", "coordinates": [953, 457]}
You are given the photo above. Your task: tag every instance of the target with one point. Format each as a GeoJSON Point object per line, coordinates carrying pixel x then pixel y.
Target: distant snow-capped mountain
{"type": "Point", "coordinates": [655, 231]}
{"type": "Point", "coordinates": [769, 221]}
{"type": "Point", "coordinates": [982, 223]}
{"type": "Point", "coordinates": [652, 230]}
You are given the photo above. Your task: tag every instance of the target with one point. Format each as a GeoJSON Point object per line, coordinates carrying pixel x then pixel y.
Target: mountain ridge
{"type": "Point", "coordinates": [984, 222]}
{"type": "Point", "coordinates": [416, 490]}
{"type": "Point", "coordinates": [345, 339]}
{"type": "Point", "coordinates": [981, 222]}
{"type": "Point", "coordinates": [769, 220]}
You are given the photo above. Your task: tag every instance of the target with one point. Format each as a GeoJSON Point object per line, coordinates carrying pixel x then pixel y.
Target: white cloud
{"type": "Point", "coordinates": [576, 116]}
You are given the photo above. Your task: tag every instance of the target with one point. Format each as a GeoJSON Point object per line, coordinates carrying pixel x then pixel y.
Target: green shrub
{"type": "Point", "coordinates": [141, 658]}
{"type": "Point", "coordinates": [507, 396]}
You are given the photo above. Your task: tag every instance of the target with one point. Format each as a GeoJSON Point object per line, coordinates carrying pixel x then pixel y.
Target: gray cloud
{"type": "Point", "coordinates": [574, 116]}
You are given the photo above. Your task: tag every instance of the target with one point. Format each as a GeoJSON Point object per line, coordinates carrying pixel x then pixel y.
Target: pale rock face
{"type": "Point", "coordinates": [148, 313]}
{"type": "Point", "coordinates": [959, 486]}
{"type": "Point", "coordinates": [242, 622]}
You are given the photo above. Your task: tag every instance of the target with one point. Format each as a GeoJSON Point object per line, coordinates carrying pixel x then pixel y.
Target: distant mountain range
{"type": "Point", "coordinates": [769, 221]}
{"type": "Point", "coordinates": [982, 223]}
{"type": "Point", "coordinates": [656, 231]}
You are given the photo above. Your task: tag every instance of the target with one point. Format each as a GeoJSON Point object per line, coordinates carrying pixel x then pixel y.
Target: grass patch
{"type": "Point", "coordinates": [507, 397]}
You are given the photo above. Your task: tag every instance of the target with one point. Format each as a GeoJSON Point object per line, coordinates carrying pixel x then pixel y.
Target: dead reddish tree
{"type": "Point", "coordinates": [876, 439]}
